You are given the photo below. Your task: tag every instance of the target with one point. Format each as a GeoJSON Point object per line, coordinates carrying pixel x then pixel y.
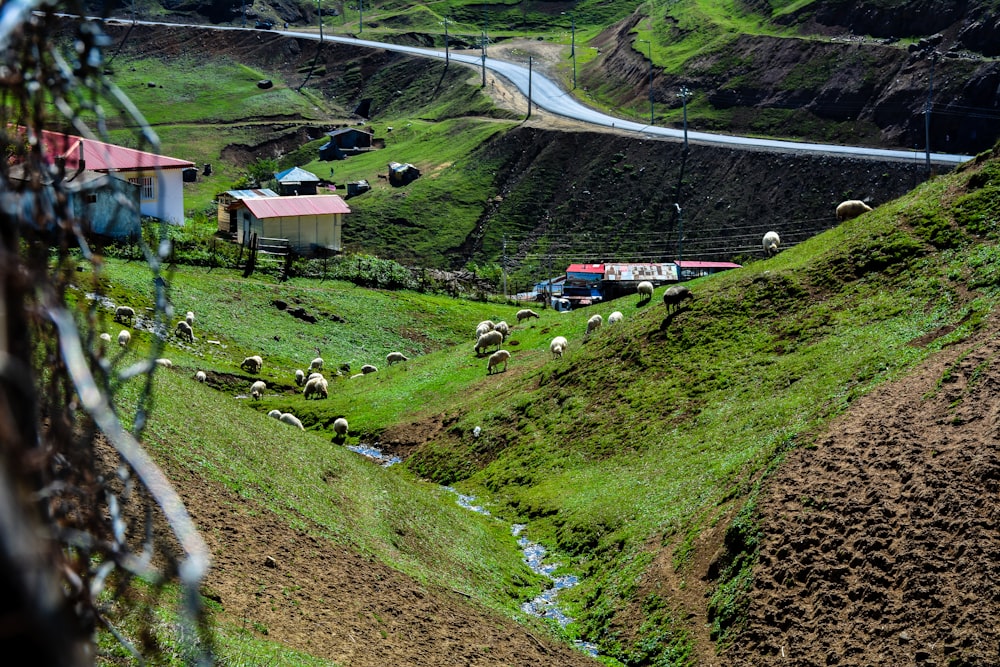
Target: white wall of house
{"type": "Point", "coordinates": [161, 193]}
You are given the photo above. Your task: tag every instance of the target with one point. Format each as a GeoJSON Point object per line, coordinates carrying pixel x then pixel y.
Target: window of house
{"type": "Point", "coordinates": [145, 184]}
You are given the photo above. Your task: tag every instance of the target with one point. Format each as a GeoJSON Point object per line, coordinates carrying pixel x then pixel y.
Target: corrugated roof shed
{"type": "Point", "coordinates": [252, 193]}
{"type": "Point", "coordinates": [586, 268]}
{"type": "Point", "coordinates": [284, 207]}
{"type": "Point", "coordinates": [296, 175]}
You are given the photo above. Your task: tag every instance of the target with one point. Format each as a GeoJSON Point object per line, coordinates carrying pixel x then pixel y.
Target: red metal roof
{"type": "Point", "coordinates": [586, 268]}
{"type": "Point", "coordinates": [286, 207]}
{"type": "Point", "coordinates": [100, 156]}
{"type": "Point", "coordinates": [695, 264]}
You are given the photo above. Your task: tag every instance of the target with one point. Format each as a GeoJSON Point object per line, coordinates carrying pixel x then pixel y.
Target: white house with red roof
{"type": "Point", "coordinates": [160, 178]}
{"type": "Point", "coordinates": [310, 223]}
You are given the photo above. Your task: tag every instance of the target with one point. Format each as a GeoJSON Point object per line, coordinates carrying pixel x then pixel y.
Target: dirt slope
{"type": "Point", "coordinates": [881, 544]}
{"type": "Point", "coordinates": [320, 598]}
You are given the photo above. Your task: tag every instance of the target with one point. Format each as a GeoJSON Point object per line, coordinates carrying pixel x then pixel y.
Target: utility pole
{"type": "Point", "coordinates": [684, 95]}
{"type": "Point", "coordinates": [529, 88]}
{"type": "Point", "coordinates": [243, 11]}
{"type": "Point", "coordinates": [503, 267]}
{"type": "Point", "coordinates": [446, 22]}
{"type": "Point", "coordinates": [680, 239]}
{"type": "Point", "coordinates": [572, 44]}
{"type": "Point", "coordinates": [649, 45]}
{"type": "Point", "coordinates": [927, 114]}
{"type": "Point", "coordinates": [361, 15]}
{"type": "Point", "coordinates": [482, 44]}
{"type": "Point", "coordinates": [319, 12]}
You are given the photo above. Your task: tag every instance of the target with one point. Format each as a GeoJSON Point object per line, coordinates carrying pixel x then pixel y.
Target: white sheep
{"type": "Point", "coordinates": [189, 318]}
{"type": "Point", "coordinates": [316, 364]}
{"type": "Point", "coordinates": [770, 243]}
{"type": "Point", "coordinates": [488, 340]}
{"type": "Point", "coordinates": [525, 314]}
{"type": "Point", "coordinates": [106, 337]}
{"type": "Point", "coordinates": [503, 328]}
{"type": "Point", "coordinates": [200, 376]}
{"type": "Point", "coordinates": [644, 290]}
{"type": "Point", "coordinates": [164, 362]}
{"type": "Point", "coordinates": [340, 427]}
{"type": "Point", "coordinates": [300, 377]}
{"type": "Point", "coordinates": [594, 323]}
{"type": "Point", "coordinates": [394, 357]}
{"type": "Point", "coordinates": [497, 358]}
{"type": "Point", "coordinates": [124, 314]}
{"type": "Point", "coordinates": [184, 330]}
{"type": "Point", "coordinates": [615, 317]}
{"type": "Point", "coordinates": [257, 389]}
{"type": "Point", "coordinates": [317, 387]}
{"type": "Point", "coordinates": [483, 327]}
{"type": "Point", "coordinates": [124, 338]}
{"type": "Point", "coordinates": [673, 297]}
{"type": "Point", "coordinates": [558, 346]}
{"type": "Point", "coordinates": [314, 375]}
{"type": "Point", "coordinates": [289, 418]}
{"type": "Point", "coordinates": [851, 208]}
{"type": "Point", "coordinates": [252, 364]}
{"type": "Point", "coordinates": [274, 414]}
{"type": "Point", "coordinates": [368, 368]}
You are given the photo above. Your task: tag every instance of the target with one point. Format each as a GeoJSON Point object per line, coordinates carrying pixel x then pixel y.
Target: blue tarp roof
{"type": "Point", "coordinates": [296, 175]}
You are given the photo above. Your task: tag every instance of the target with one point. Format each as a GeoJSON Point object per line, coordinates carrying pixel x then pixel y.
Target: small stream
{"type": "Point", "coordinates": [544, 604]}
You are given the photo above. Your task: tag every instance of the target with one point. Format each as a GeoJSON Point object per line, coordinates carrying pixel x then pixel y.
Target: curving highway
{"type": "Point", "coordinates": [548, 95]}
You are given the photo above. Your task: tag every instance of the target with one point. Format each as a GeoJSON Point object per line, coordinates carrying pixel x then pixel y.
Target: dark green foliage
{"type": "Point", "coordinates": [733, 571]}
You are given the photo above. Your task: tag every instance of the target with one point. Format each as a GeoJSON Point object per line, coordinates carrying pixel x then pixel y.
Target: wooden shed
{"type": "Point", "coordinates": [228, 206]}
{"type": "Point", "coordinates": [310, 224]}
{"type": "Point", "coordinates": [296, 181]}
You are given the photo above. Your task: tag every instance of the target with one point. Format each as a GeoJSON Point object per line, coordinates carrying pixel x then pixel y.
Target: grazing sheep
{"type": "Point", "coordinates": [300, 377]}
{"type": "Point", "coordinates": [275, 414]}
{"type": "Point", "coordinates": [851, 208]}
{"type": "Point", "coordinates": [673, 297]}
{"type": "Point", "coordinates": [615, 317]}
{"type": "Point", "coordinates": [497, 358]}
{"type": "Point", "coordinates": [257, 390]}
{"type": "Point", "coordinates": [124, 337]}
{"type": "Point", "coordinates": [525, 314]}
{"type": "Point", "coordinates": [368, 368]}
{"type": "Point", "coordinates": [558, 346]}
{"type": "Point", "coordinates": [166, 363]}
{"type": "Point", "coordinates": [340, 426]}
{"type": "Point", "coordinates": [317, 387]}
{"type": "Point", "coordinates": [316, 364]}
{"type": "Point", "coordinates": [483, 327]}
{"type": "Point", "coordinates": [184, 330]}
{"type": "Point", "coordinates": [124, 314]}
{"type": "Point", "coordinates": [594, 323]}
{"type": "Point", "coordinates": [503, 328]}
{"type": "Point", "coordinates": [644, 290]}
{"type": "Point", "coordinates": [200, 376]}
{"type": "Point", "coordinates": [393, 357]}
{"type": "Point", "coordinates": [106, 337]}
{"type": "Point", "coordinates": [252, 364]}
{"type": "Point", "coordinates": [289, 418]}
{"type": "Point", "coordinates": [488, 340]}
{"type": "Point", "coordinates": [189, 318]}
{"type": "Point", "coordinates": [770, 243]}
{"type": "Point", "coordinates": [314, 375]}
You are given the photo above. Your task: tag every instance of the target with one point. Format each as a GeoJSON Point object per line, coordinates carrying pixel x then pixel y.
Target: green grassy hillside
{"type": "Point", "coordinates": [632, 445]}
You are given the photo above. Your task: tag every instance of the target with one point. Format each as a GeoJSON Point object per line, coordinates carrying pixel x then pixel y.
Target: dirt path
{"type": "Point", "coordinates": [880, 544]}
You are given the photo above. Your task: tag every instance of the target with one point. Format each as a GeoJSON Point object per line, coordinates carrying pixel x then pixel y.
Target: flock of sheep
{"type": "Point", "coordinates": [489, 335]}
